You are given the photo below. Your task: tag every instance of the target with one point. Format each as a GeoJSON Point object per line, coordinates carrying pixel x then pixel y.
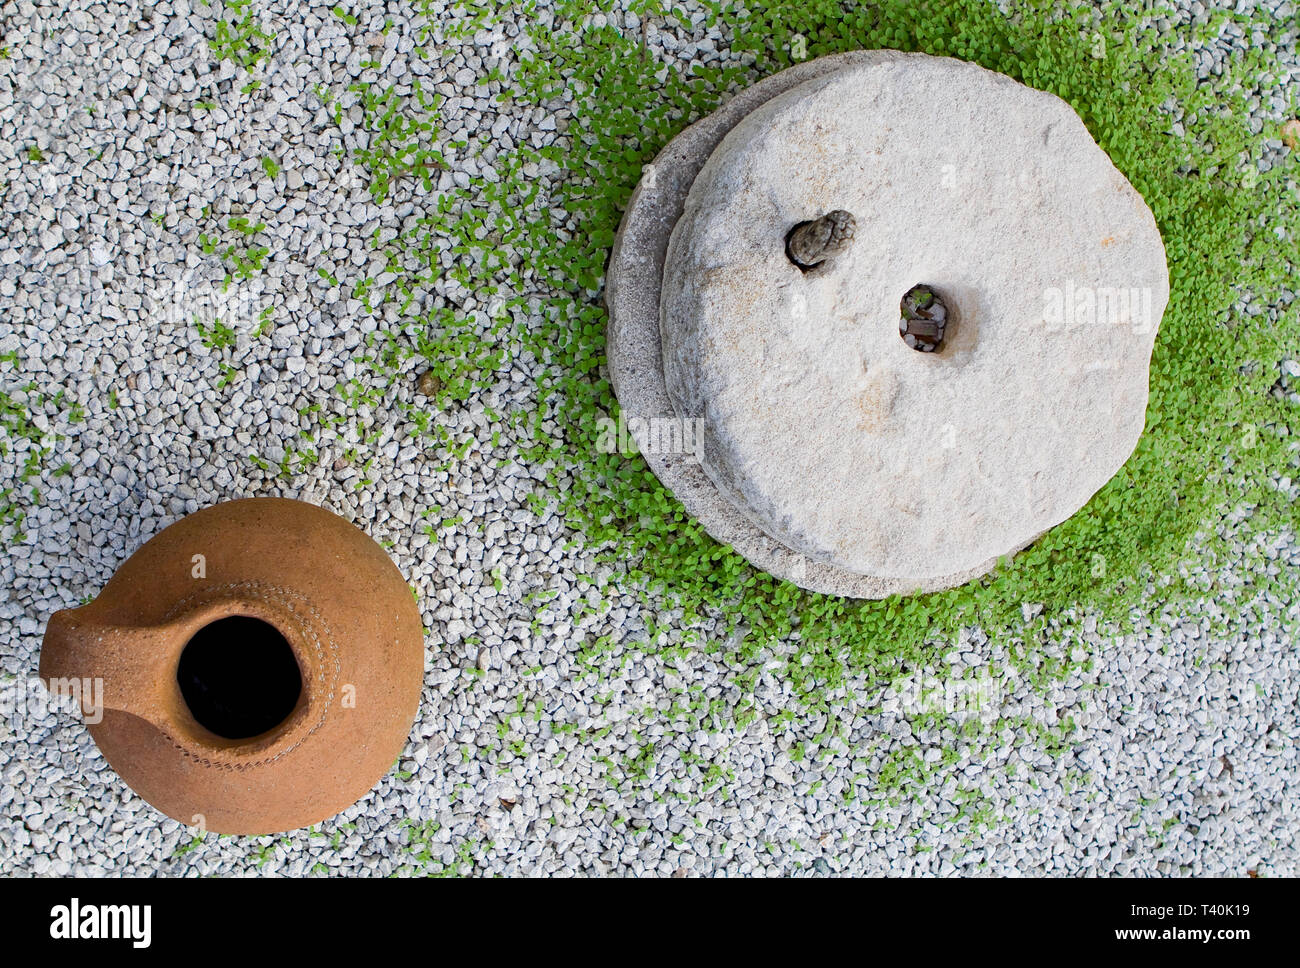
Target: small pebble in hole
{"type": "Point", "coordinates": [810, 244]}
{"type": "Point", "coordinates": [924, 318]}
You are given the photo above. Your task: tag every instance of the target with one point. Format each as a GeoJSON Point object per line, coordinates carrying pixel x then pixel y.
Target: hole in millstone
{"type": "Point", "coordinates": [815, 242]}
{"type": "Point", "coordinates": [239, 677]}
{"type": "Point", "coordinates": [924, 319]}
{"type": "Point", "coordinates": [790, 253]}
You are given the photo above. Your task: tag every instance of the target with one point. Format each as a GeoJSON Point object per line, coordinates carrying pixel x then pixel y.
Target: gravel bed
{"type": "Point", "coordinates": [1184, 761]}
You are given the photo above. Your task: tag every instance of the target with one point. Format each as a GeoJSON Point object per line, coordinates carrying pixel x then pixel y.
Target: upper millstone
{"type": "Point", "coordinates": [822, 422]}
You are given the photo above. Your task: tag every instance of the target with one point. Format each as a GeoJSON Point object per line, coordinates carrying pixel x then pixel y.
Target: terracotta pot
{"type": "Point", "coordinates": [261, 665]}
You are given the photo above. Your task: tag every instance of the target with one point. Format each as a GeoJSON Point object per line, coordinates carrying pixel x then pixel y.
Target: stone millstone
{"type": "Point", "coordinates": [834, 453]}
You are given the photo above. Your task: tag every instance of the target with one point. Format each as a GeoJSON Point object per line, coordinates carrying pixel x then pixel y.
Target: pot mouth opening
{"type": "Point", "coordinates": [239, 677]}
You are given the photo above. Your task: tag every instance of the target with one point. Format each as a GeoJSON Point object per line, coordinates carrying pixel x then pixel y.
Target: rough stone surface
{"type": "Point", "coordinates": [823, 426]}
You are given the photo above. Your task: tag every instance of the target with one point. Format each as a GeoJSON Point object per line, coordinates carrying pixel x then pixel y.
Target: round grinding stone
{"type": "Point", "coordinates": [824, 424]}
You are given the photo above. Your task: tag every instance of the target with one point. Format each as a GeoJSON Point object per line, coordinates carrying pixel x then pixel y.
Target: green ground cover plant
{"type": "Point", "coordinates": [239, 37]}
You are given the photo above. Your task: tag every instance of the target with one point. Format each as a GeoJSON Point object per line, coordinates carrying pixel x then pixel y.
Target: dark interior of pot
{"type": "Point", "coordinates": [239, 677]}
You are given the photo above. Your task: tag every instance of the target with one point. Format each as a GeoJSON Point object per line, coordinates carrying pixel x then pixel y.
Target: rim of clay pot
{"type": "Point", "coordinates": [307, 640]}
{"type": "Point", "coordinates": [193, 737]}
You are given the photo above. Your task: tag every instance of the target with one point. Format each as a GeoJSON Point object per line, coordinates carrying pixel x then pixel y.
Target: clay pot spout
{"type": "Point", "coordinates": [107, 666]}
